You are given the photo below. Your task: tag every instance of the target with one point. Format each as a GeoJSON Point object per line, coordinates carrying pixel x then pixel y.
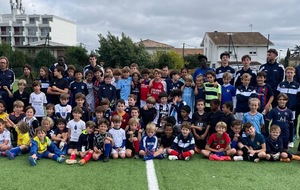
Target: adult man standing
{"type": "Point", "coordinates": [225, 56]}
{"type": "Point", "coordinates": [61, 63]}
{"type": "Point", "coordinates": [7, 79]}
{"type": "Point", "coordinates": [202, 69]}
{"type": "Point", "coordinates": [92, 65]}
{"type": "Point", "coordinates": [274, 70]}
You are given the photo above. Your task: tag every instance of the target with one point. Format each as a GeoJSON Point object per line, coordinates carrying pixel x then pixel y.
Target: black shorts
{"type": "Point", "coordinates": [73, 145]}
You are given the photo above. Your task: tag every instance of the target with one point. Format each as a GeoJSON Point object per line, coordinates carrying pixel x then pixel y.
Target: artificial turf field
{"type": "Point", "coordinates": [197, 173]}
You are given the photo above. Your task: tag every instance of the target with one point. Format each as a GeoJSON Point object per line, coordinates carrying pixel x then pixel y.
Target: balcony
{"type": "Point", "coordinates": [19, 33]}
{"type": "Point", "coordinates": [5, 33]}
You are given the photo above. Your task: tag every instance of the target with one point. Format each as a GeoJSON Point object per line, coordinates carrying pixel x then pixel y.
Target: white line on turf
{"type": "Point", "coordinates": [151, 176]}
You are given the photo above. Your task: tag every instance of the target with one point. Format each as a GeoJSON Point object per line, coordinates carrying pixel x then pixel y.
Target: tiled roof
{"type": "Point", "coordinates": [153, 44]}
{"type": "Point", "coordinates": [189, 51]}
{"type": "Point", "coordinates": [238, 38]}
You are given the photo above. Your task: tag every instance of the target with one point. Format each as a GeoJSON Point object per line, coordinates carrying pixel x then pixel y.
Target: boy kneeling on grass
{"type": "Point", "coordinates": [183, 145]}
{"type": "Point", "coordinates": [41, 146]}
{"type": "Point", "coordinates": [218, 145]}
{"type": "Point", "coordinates": [275, 150]}
{"type": "Point", "coordinates": [253, 146]}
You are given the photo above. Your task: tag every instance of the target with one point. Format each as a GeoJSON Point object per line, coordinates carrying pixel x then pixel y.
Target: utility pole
{"type": "Point", "coordinates": [183, 49]}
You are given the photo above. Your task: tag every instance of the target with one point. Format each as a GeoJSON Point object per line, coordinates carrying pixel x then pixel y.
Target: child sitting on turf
{"type": "Point", "coordinates": [200, 126]}
{"type": "Point", "coordinates": [80, 100]}
{"type": "Point", "coordinates": [284, 118]}
{"type": "Point", "coordinates": [218, 145]}
{"type": "Point", "coordinates": [47, 123]}
{"type": "Point", "coordinates": [60, 135]}
{"type": "Point", "coordinates": [16, 116]}
{"type": "Point", "coordinates": [133, 137]}
{"type": "Point", "coordinates": [23, 140]}
{"type": "Point", "coordinates": [253, 146]}
{"type": "Point", "coordinates": [39, 148]}
{"type": "Point", "coordinates": [183, 145]}
{"type": "Point", "coordinates": [5, 141]}
{"type": "Point", "coordinates": [102, 141]}
{"type": "Point", "coordinates": [85, 143]}
{"type": "Point", "coordinates": [63, 110]}
{"type": "Point", "coordinates": [119, 137]}
{"type": "Point", "coordinates": [236, 134]}
{"type": "Point", "coordinates": [75, 127]}
{"type": "Point", "coordinates": [167, 138]}
{"type": "Point", "coordinates": [31, 120]}
{"type": "Point", "coordinates": [274, 146]}
{"type": "Point", "coordinates": [149, 144]}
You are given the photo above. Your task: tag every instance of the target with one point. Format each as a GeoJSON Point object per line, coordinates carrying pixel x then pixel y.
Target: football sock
{"type": "Point", "coordinates": [186, 154]}
{"type": "Point", "coordinates": [54, 157]}
{"type": "Point", "coordinates": [136, 145]}
{"type": "Point", "coordinates": [107, 148]}
{"type": "Point", "coordinates": [173, 152]}
{"type": "Point", "coordinates": [88, 156]}
{"type": "Point", "coordinates": [73, 156]}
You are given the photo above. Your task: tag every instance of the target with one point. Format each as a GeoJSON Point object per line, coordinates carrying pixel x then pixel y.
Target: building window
{"type": "Point", "coordinates": [45, 21]}
{"type": "Point", "coordinates": [31, 21]}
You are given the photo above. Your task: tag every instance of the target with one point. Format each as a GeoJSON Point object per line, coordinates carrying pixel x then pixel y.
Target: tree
{"type": "Point", "coordinates": [77, 56]}
{"type": "Point", "coordinates": [122, 52]}
{"type": "Point", "coordinates": [170, 58]}
{"type": "Point", "coordinates": [286, 59]}
{"type": "Point", "coordinates": [5, 50]}
{"type": "Point", "coordinates": [44, 58]}
{"type": "Point", "coordinates": [191, 61]}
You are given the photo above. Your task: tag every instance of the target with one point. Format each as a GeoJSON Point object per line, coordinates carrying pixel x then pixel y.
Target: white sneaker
{"type": "Point", "coordinates": [291, 144]}
{"type": "Point", "coordinates": [187, 158]}
{"type": "Point", "coordinates": [238, 158]}
{"type": "Point", "coordinates": [172, 157]}
{"type": "Point", "coordinates": [69, 161]}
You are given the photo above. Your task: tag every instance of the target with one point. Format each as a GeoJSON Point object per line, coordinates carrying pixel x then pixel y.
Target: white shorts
{"type": "Point", "coordinates": [114, 151]}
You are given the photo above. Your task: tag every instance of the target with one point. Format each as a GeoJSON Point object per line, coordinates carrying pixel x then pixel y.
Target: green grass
{"type": "Point", "coordinates": [200, 173]}
{"type": "Point", "coordinates": [48, 174]}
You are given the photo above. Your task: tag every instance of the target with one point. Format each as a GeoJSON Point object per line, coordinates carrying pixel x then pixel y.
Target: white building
{"type": "Point", "coordinates": [20, 29]}
{"type": "Point", "coordinates": [238, 44]}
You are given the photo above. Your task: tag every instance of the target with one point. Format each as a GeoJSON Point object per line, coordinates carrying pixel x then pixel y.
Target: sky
{"type": "Point", "coordinates": [173, 22]}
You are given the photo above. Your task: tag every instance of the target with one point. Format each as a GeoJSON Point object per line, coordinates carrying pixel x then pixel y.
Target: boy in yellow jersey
{"type": "Point", "coordinates": [23, 141]}
{"type": "Point", "coordinates": [41, 146]}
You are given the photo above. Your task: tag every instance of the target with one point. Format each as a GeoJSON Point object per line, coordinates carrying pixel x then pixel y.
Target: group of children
{"type": "Point", "coordinates": [107, 115]}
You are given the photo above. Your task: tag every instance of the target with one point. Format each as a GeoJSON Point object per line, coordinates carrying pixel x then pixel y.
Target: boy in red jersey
{"type": "Point", "coordinates": [120, 110]}
{"type": "Point", "coordinates": [218, 145]}
{"type": "Point", "coordinates": [145, 88]}
{"type": "Point", "coordinates": [157, 85]}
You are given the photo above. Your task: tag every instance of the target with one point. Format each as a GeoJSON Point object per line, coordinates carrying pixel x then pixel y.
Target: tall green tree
{"type": "Point", "coordinates": [120, 52]}
{"type": "Point", "coordinates": [191, 61]}
{"type": "Point", "coordinates": [77, 56]}
{"type": "Point", "coordinates": [287, 58]}
{"type": "Point", "coordinates": [170, 58]}
{"type": "Point", "coordinates": [44, 58]}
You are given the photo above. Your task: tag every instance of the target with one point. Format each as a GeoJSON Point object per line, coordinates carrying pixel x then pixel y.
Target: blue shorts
{"type": "Point", "coordinates": [43, 155]}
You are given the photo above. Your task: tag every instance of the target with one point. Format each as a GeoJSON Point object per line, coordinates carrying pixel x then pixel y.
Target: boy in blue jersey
{"type": "Point", "coordinates": [228, 90]}
{"type": "Point", "coordinates": [253, 146]}
{"type": "Point", "coordinates": [275, 147]}
{"type": "Point", "coordinates": [243, 93]}
{"type": "Point", "coordinates": [149, 148]}
{"type": "Point", "coordinates": [183, 145]}
{"type": "Point", "coordinates": [102, 141]}
{"type": "Point", "coordinates": [77, 86]}
{"type": "Point", "coordinates": [225, 57]}
{"type": "Point", "coordinates": [124, 85]}
{"type": "Point", "coordinates": [283, 117]}
{"type": "Point", "coordinates": [292, 89]}
{"type": "Point", "coordinates": [264, 93]}
{"type": "Point", "coordinates": [174, 83]}
{"type": "Point", "coordinates": [41, 146]}
{"type": "Point", "coordinates": [107, 91]}
{"type": "Point", "coordinates": [246, 61]}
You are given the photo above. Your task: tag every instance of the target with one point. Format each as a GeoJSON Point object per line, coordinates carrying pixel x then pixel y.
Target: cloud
{"type": "Point", "coordinates": [174, 22]}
